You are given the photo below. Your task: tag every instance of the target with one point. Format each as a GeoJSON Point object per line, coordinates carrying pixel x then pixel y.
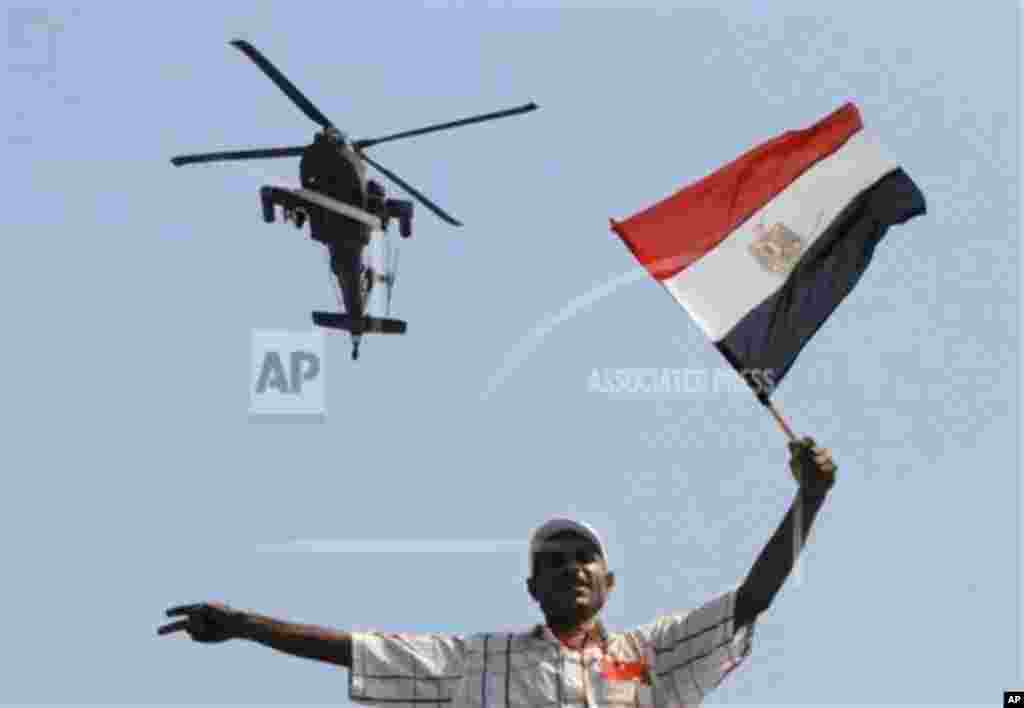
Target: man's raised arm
{"type": "Point", "coordinates": [211, 623]}
{"type": "Point", "coordinates": [815, 473]}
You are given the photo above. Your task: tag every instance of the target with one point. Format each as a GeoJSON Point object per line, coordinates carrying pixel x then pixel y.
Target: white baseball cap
{"type": "Point", "coordinates": [557, 525]}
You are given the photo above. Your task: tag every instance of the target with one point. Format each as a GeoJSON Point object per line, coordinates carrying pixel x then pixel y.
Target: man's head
{"type": "Point", "coordinates": [569, 575]}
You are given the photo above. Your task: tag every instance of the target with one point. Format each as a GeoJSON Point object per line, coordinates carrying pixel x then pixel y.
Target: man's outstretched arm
{"type": "Point", "coordinates": [815, 472]}
{"type": "Point", "coordinates": [213, 622]}
{"type": "Point", "coordinates": [302, 640]}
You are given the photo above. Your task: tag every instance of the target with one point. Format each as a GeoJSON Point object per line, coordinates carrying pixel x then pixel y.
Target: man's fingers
{"type": "Point", "coordinates": [173, 627]}
{"type": "Point", "coordinates": [802, 444]}
{"type": "Point", "coordinates": [185, 610]}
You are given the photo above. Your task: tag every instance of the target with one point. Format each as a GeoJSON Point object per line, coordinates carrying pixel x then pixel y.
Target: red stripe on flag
{"type": "Point", "coordinates": [675, 232]}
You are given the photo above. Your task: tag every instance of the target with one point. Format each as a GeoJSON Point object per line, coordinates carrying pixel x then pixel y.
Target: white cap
{"type": "Point", "coordinates": [557, 525]}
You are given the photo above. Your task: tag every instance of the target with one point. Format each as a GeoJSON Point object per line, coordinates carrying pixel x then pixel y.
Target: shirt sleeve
{"type": "Point", "coordinates": [691, 653]}
{"type": "Point", "coordinates": [404, 669]}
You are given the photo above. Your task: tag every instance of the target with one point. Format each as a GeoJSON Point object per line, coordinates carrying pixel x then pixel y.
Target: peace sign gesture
{"type": "Point", "coordinates": [209, 623]}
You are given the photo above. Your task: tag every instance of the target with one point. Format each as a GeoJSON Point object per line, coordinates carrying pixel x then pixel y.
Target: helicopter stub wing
{"type": "Point", "coordinates": [288, 195]}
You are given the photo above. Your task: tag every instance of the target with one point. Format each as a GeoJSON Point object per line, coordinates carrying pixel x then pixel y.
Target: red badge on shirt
{"type": "Point", "coordinates": [615, 670]}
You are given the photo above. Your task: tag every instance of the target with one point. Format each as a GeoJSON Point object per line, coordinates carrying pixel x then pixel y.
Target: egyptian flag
{"type": "Point", "coordinates": [763, 250]}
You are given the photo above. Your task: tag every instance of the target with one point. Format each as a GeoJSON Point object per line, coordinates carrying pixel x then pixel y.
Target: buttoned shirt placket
{"type": "Point", "coordinates": [590, 653]}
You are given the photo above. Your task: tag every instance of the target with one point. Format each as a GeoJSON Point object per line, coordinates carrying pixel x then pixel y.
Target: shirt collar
{"type": "Point", "coordinates": [597, 634]}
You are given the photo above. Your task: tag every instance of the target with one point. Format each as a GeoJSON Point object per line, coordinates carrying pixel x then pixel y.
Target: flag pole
{"type": "Point", "coordinates": [778, 416]}
{"type": "Point", "coordinates": [781, 421]}
{"type": "Point", "coordinates": [761, 392]}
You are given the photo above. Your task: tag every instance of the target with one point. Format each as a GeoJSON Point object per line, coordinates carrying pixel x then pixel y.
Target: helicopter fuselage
{"type": "Point", "coordinates": [342, 206]}
{"type": "Point", "coordinates": [330, 167]}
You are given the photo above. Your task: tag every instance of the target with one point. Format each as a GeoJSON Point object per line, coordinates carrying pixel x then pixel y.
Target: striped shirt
{"type": "Point", "coordinates": [677, 660]}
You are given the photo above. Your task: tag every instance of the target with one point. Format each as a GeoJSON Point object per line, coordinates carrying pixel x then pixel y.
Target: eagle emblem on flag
{"type": "Point", "coordinates": [777, 249]}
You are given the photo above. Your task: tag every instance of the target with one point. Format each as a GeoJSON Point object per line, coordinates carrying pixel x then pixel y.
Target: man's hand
{"type": "Point", "coordinates": [208, 623]}
{"type": "Point", "coordinates": [812, 467]}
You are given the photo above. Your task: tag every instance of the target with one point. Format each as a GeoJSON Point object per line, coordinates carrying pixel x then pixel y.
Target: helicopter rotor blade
{"type": "Point", "coordinates": [304, 104]}
{"type": "Point", "coordinates": [237, 155]}
{"type": "Point", "coordinates": [408, 188]}
{"type": "Point", "coordinates": [360, 144]}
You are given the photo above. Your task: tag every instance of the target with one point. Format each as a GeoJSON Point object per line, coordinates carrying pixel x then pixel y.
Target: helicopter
{"type": "Point", "coordinates": [341, 204]}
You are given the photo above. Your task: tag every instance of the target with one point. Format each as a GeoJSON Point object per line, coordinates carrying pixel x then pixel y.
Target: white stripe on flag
{"type": "Point", "coordinates": [725, 284]}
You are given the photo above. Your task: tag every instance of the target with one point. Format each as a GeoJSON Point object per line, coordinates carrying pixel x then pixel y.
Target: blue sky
{"type": "Point", "coordinates": [135, 479]}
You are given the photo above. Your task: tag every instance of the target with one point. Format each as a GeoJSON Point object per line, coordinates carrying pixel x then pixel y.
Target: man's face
{"type": "Point", "coordinates": [570, 580]}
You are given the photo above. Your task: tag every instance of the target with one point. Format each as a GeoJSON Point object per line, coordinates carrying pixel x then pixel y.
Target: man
{"type": "Point", "coordinates": [570, 659]}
